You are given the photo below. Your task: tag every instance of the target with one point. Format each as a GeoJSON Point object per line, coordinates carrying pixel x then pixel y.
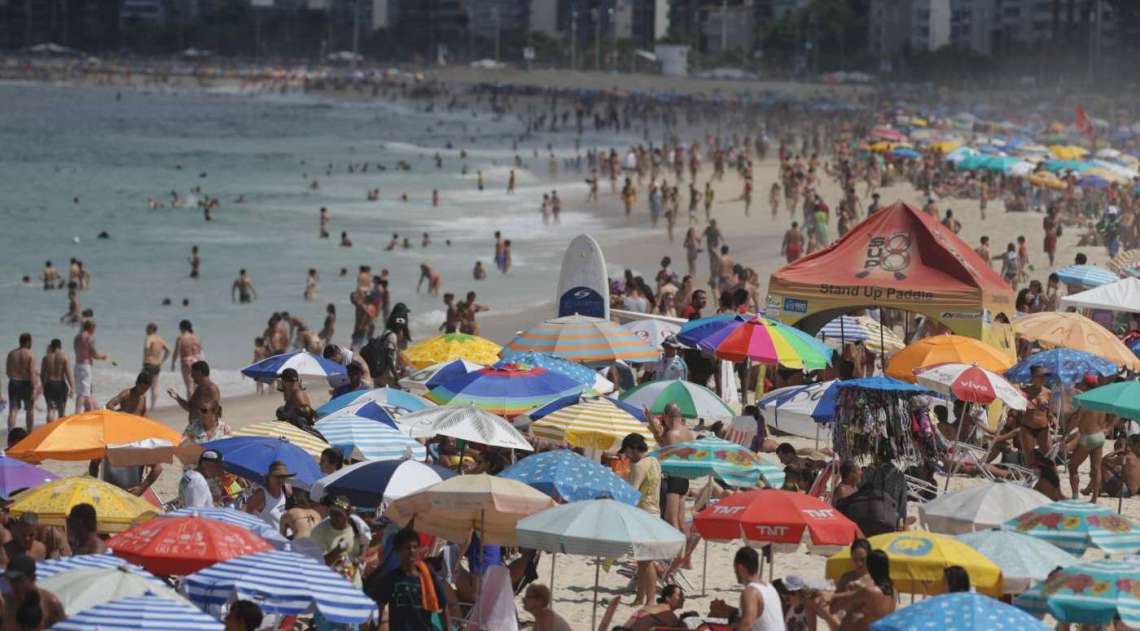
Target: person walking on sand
{"type": "Point", "coordinates": [692, 249]}
{"type": "Point", "coordinates": [85, 356]}
{"type": "Point", "coordinates": [628, 197]}
{"type": "Point", "coordinates": [155, 352]}
{"type": "Point", "coordinates": [645, 476]}
{"type": "Point", "coordinates": [188, 349]}
{"type": "Point", "coordinates": [793, 245]}
{"type": "Point", "coordinates": [1052, 226]}
{"type": "Point", "coordinates": [55, 371]}
{"type": "Point", "coordinates": [22, 382]}
{"type": "Point", "coordinates": [242, 289]}
{"type": "Point", "coordinates": [708, 199]}
{"type": "Point", "coordinates": [774, 198]}
{"type": "Point", "coordinates": [983, 250]}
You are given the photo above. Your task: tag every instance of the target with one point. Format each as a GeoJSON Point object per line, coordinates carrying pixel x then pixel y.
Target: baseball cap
{"type": "Point", "coordinates": [340, 502]}
{"type": "Point", "coordinates": [22, 566]}
{"type": "Point", "coordinates": [794, 582]}
{"type": "Point", "coordinates": [211, 456]}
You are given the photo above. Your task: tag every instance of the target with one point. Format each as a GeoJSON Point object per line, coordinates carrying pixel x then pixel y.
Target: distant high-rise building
{"type": "Point", "coordinates": [895, 26]}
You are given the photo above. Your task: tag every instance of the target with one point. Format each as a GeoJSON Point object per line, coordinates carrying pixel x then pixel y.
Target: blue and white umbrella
{"type": "Point", "coordinates": [568, 477]}
{"type": "Point", "coordinates": [392, 402]}
{"type": "Point", "coordinates": [374, 441]}
{"type": "Point", "coordinates": [798, 410]}
{"type": "Point", "coordinates": [50, 567]}
{"type": "Point", "coordinates": [577, 372]}
{"type": "Point", "coordinates": [251, 456]}
{"type": "Point", "coordinates": [962, 611]}
{"type": "Point", "coordinates": [309, 366]}
{"type": "Point", "coordinates": [282, 583]}
{"type": "Point", "coordinates": [367, 411]}
{"type": "Point", "coordinates": [367, 484]}
{"type": "Point", "coordinates": [253, 523]}
{"type": "Point", "coordinates": [140, 612]}
{"type": "Point", "coordinates": [424, 379]}
{"type": "Point", "coordinates": [1065, 364]}
{"type": "Point", "coordinates": [861, 329]}
{"type": "Point", "coordinates": [1087, 275]}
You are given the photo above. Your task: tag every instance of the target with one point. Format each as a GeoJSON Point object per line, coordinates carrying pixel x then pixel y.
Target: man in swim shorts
{"type": "Point", "coordinates": [55, 371]}
{"type": "Point", "coordinates": [155, 352]}
{"type": "Point", "coordinates": [85, 356]}
{"type": "Point", "coordinates": [21, 371]}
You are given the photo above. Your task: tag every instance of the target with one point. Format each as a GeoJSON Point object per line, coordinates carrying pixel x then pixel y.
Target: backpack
{"type": "Point", "coordinates": [375, 354]}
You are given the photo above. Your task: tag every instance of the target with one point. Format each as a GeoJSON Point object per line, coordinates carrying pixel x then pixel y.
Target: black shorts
{"type": "Point", "coordinates": [152, 369]}
{"type": "Point", "coordinates": [55, 394]}
{"type": "Point", "coordinates": [678, 486]}
{"type": "Point", "coordinates": [20, 394]}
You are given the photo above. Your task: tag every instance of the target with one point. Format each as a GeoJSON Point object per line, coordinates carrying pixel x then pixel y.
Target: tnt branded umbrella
{"type": "Point", "coordinates": [425, 379]}
{"type": "Point", "coordinates": [1075, 526]}
{"type": "Point", "coordinates": [99, 434]}
{"type": "Point", "coordinates": [584, 340]}
{"type": "Point", "coordinates": [694, 400]}
{"type": "Point", "coordinates": [1075, 331]}
{"type": "Point", "coordinates": [80, 589]}
{"type": "Point", "coordinates": [309, 366]}
{"type": "Point", "coordinates": [568, 477]}
{"type": "Point", "coordinates": [591, 424]}
{"type": "Point", "coordinates": [776, 516]}
{"type": "Point", "coordinates": [310, 443]}
{"type": "Point", "coordinates": [1093, 593]}
{"type": "Point", "coordinates": [583, 375]}
{"type": "Point", "coordinates": [252, 523]}
{"type": "Point", "coordinates": [372, 440]}
{"type": "Point", "coordinates": [392, 402]}
{"type": "Point", "coordinates": [1065, 365]}
{"type": "Point", "coordinates": [730, 463]}
{"type": "Point", "coordinates": [367, 484]}
{"type": "Point", "coordinates": [508, 391]}
{"type": "Point", "coordinates": [175, 546]}
{"type": "Point", "coordinates": [766, 341]}
{"type": "Point", "coordinates": [464, 423]}
{"type": "Point", "coordinates": [450, 347]}
{"type": "Point", "coordinates": [16, 475]}
{"type": "Point", "coordinates": [251, 456]}
{"type": "Point", "coordinates": [1022, 559]}
{"type": "Point", "coordinates": [117, 510]}
{"type": "Point", "coordinates": [943, 349]}
{"type": "Point", "coordinates": [918, 558]}
{"type": "Point", "coordinates": [148, 611]}
{"type": "Point", "coordinates": [978, 507]}
{"type": "Point", "coordinates": [1086, 275]}
{"type": "Point", "coordinates": [963, 611]}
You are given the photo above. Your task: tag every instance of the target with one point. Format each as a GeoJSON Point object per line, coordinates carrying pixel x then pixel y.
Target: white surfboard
{"type": "Point", "coordinates": [583, 288]}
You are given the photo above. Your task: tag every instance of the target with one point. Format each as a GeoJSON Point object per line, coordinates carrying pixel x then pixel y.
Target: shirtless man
{"type": "Point", "coordinates": [983, 251]}
{"type": "Point", "coordinates": [22, 384]}
{"type": "Point", "coordinates": [134, 479]}
{"type": "Point", "coordinates": [49, 276]}
{"type": "Point", "coordinates": [188, 348]}
{"type": "Point", "coordinates": [85, 355]}
{"type": "Point", "coordinates": [133, 399]}
{"type": "Point", "coordinates": [324, 232]}
{"type": "Point", "coordinates": [205, 391]}
{"type": "Point", "coordinates": [1092, 426]}
{"type": "Point", "coordinates": [672, 430]}
{"type": "Point", "coordinates": [434, 279]}
{"type": "Point", "coordinates": [55, 371]}
{"type": "Point", "coordinates": [155, 352]}
{"type": "Point", "coordinates": [81, 531]}
{"type": "Point", "coordinates": [23, 541]}
{"type": "Point", "coordinates": [21, 575]}
{"type": "Point", "coordinates": [793, 245]}
{"type": "Point", "coordinates": [242, 289]}
{"type": "Point", "coordinates": [725, 268]}
{"type": "Point", "coordinates": [849, 477]}
{"type": "Point", "coordinates": [296, 401]}
{"type": "Point", "coordinates": [1037, 417]}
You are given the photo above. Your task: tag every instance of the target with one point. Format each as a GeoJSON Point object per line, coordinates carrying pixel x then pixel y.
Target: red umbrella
{"type": "Point", "coordinates": [775, 516]}
{"type": "Point", "coordinates": [169, 546]}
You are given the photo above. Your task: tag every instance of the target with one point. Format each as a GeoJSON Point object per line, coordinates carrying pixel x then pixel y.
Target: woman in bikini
{"type": "Point", "coordinates": [188, 349]}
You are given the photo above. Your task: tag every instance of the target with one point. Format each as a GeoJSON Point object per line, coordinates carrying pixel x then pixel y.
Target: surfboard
{"type": "Point", "coordinates": [583, 288]}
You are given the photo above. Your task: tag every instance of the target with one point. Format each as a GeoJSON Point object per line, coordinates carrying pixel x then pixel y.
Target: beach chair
{"type": "Point", "coordinates": [495, 609]}
{"type": "Point", "coordinates": [825, 481]}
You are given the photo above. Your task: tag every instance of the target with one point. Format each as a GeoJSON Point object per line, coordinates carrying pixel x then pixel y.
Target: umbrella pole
{"type": "Point", "coordinates": [479, 577]}
{"type": "Point", "coordinates": [705, 568]}
{"type": "Point", "coordinates": [597, 577]}
{"type": "Point", "coordinates": [553, 558]}
{"type": "Point", "coordinates": [954, 449]}
{"type": "Point", "coordinates": [772, 565]}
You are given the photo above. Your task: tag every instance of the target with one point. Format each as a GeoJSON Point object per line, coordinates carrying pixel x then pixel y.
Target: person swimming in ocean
{"type": "Point", "coordinates": [242, 289]}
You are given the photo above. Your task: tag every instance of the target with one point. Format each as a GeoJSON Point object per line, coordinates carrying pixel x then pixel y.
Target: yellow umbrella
{"type": "Point", "coordinates": [454, 508]}
{"type": "Point", "coordinates": [945, 146]}
{"type": "Point", "coordinates": [592, 424]}
{"type": "Point", "coordinates": [1075, 331]}
{"type": "Point", "coordinates": [882, 146]}
{"type": "Point", "coordinates": [1047, 180]}
{"type": "Point", "coordinates": [308, 443]}
{"type": "Point", "coordinates": [1068, 152]}
{"type": "Point", "coordinates": [451, 346]}
{"type": "Point", "coordinates": [942, 349]}
{"type": "Point", "coordinates": [918, 558]}
{"type": "Point", "coordinates": [116, 509]}
{"type": "Point", "coordinates": [90, 435]}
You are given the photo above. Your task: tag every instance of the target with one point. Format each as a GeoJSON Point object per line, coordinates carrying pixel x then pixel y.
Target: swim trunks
{"type": "Point", "coordinates": [152, 369]}
{"type": "Point", "coordinates": [55, 394]}
{"type": "Point", "coordinates": [83, 383]}
{"type": "Point", "coordinates": [1092, 441]}
{"type": "Point", "coordinates": [20, 394]}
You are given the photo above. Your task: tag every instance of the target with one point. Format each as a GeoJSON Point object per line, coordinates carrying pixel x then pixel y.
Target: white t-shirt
{"type": "Point", "coordinates": [194, 490]}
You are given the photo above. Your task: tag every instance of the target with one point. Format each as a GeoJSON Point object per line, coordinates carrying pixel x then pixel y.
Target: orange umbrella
{"type": "Point", "coordinates": [944, 349]}
{"type": "Point", "coordinates": [92, 435]}
{"type": "Point", "coordinates": [1075, 331]}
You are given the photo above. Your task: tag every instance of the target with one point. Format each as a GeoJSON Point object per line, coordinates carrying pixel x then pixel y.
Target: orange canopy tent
{"type": "Point", "coordinates": [898, 258]}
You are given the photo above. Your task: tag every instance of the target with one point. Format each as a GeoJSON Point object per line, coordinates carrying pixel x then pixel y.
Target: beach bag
{"type": "Point", "coordinates": [376, 356]}
{"type": "Point", "coordinates": [873, 510]}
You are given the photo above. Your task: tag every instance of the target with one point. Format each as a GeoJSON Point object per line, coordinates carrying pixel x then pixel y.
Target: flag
{"type": "Point", "coordinates": [1084, 125]}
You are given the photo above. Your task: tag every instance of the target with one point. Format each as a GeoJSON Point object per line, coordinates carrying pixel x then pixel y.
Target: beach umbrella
{"type": "Point", "coordinates": [963, 611]}
{"type": "Point", "coordinates": [1075, 331]}
{"type": "Point", "coordinates": [281, 583]}
{"type": "Point", "coordinates": [174, 546]}
{"type": "Point", "coordinates": [604, 529]}
{"type": "Point", "coordinates": [392, 402]}
{"type": "Point", "coordinates": [905, 153]}
{"type": "Point", "coordinates": [309, 366]}
{"type": "Point", "coordinates": [1092, 180]}
{"type": "Point", "coordinates": [252, 523]}
{"type": "Point", "coordinates": [98, 434]}
{"type": "Point", "coordinates": [1121, 398]}
{"type": "Point", "coordinates": [367, 484]}
{"type": "Point", "coordinates": [969, 383]}
{"type": "Point", "coordinates": [694, 400]}
{"type": "Point", "coordinates": [876, 337]}
{"type": "Point", "coordinates": [987, 505]}
{"type": "Point", "coordinates": [918, 558]}
{"type": "Point", "coordinates": [50, 567]}
{"type": "Point", "coordinates": [309, 443]}
{"type": "Point", "coordinates": [455, 508]}
{"type": "Point", "coordinates": [464, 423]}
{"type": "Point", "coordinates": [776, 516]}
{"type": "Point", "coordinates": [250, 456]}
{"type": "Point", "coordinates": [766, 341]}
{"type": "Point", "coordinates": [695, 330]}
{"type": "Point", "coordinates": [568, 477]}
{"type": "Point", "coordinates": [1086, 275]}
{"type": "Point", "coordinates": [592, 424]}
{"type": "Point", "coordinates": [508, 391]}
{"type": "Point", "coordinates": [1064, 365]}
{"type": "Point", "coordinates": [584, 340]}
{"type": "Point", "coordinates": [1075, 526]}
{"type": "Point", "coordinates": [730, 463]}
{"type": "Point", "coordinates": [1022, 559]}
{"type": "Point", "coordinates": [1122, 295]}
{"type": "Point", "coordinates": [148, 611]}
{"type": "Point", "coordinates": [81, 589]}
{"type": "Point", "coordinates": [369, 411]}
{"type": "Point", "coordinates": [558, 404]}
{"type": "Point", "coordinates": [372, 440]}
{"type": "Point", "coordinates": [652, 330]}
{"type": "Point", "coordinates": [808, 404]}
{"type": "Point", "coordinates": [117, 510]}
{"type": "Point", "coordinates": [449, 347]}
{"type": "Point", "coordinates": [1093, 593]}
{"type": "Point", "coordinates": [425, 379]}
{"type": "Point", "coordinates": [17, 475]}
{"type": "Point", "coordinates": [583, 375]}
{"type": "Point", "coordinates": [943, 349]}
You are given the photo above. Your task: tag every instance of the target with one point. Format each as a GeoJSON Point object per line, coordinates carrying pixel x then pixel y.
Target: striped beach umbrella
{"type": "Point", "coordinates": [1075, 526]}
{"type": "Point", "coordinates": [392, 402]}
{"type": "Point", "coordinates": [508, 391]}
{"type": "Point", "coordinates": [584, 340]}
{"type": "Point", "coordinates": [464, 423]}
{"type": "Point", "coordinates": [374, 441]}
{"type": "Point", "coordinates": [281, 583]}
{"type": "Point", "coordinates": [140, 612]}
{"type": "Point", "coordinates": [766, 341]}
{"type": "Point", "coordinates": [652, 330]}
{"type": "Point", "coordinates": [583, 375]}
{"type": "Point", "coordinates": [81, 589]}
{"type": "Point", "coordinates": [50, 567]}
{"type": "Point", "coordinates": [730, 463]}
{"type": "Point", "coordinates": [452, 346]}
{"type": "Point", "coordinates": [694, 331]}
{"type": "Point", "coordinates": [425, 379]}
{"type": "Point", "coordinates": [592, 424]}
{"type": "Point", "coordinates": [1086, 275]}
{"type": "Point", "coordinates": [309, 366]}
{"type": "Point", "coordinates": [309, 443]}
{"type": "Point", "coordinates": [558, 404]}
{"type": "Point", "coordinates": [861, 329]}
{"type": "Point", "coordinates": [695, 401]}
{"type": "Point", "coordinates": [1092, 593]}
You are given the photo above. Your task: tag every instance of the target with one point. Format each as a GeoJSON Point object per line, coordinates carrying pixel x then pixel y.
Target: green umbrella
{"type": "Point", "coordinates": [1121, 398]}
{"type": "Point", "coordinates": [695, 401]}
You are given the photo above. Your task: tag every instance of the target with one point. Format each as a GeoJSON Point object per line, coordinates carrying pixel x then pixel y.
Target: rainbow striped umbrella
{"type": "Point", "coordinates": [584, 340]}
{"type": "Point", "coordinates": [507, 390]}
{"type": "Point", "coordinates": [764, 341]}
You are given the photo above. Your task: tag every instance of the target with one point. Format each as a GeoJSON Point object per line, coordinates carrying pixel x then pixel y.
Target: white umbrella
{"type": "Point", "coordinates": [1022, 559]}
{"type": "Point", "coordinates": [465, 423]}
{"type": "Point", "coordinates": [978, 507]}
{"type": "Point", "coordinates": [83, 588]}
{"type": "Point", "coordinates": [1122, 295]}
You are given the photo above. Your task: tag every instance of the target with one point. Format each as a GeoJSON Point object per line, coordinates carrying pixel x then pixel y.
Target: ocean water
{"type": "Point", "coordinates": [60, 143]}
